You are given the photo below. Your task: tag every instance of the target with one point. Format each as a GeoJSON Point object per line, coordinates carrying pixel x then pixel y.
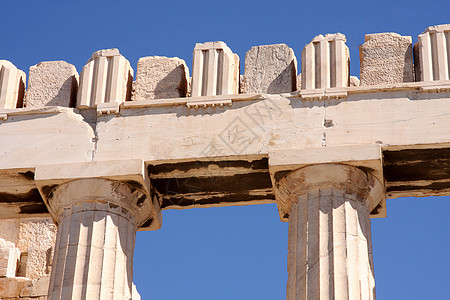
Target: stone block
{"type": "Point", "coordinates": [431, 54]}
{"type": "Point", "coordinates": [326, 62]}
{"type": "Point", "coordinates": [215, 70]}
{"type": "Point", "coordinates": [161, 77]}
{"type": "Point", "coordinates": [38, 233]}
{"type": "Point", "coordinates": [299, 82]}
{"type": "Point", "coordinates": [386, 58]}
{"type": "Point", "coordinates": [52, 83]}
{"type": "Point", "coordinates": [270, 69]}
{"type": "Point", "coordinates": [12, 86]}
{"type": "Point", "coordinates": [354, 81]}
{"type": "Point", "coordinates": [11, 287]}
{"type": "Point", "coordinates": [106, 78]}
{"type": "Point", "coordinates": [38, 263]}
{"type": "Point", "coordinates": [9, 230]}
{"type": "Point", "coordinates": [9, 258]}
{"type": "Point", "coordinates": [37, 288]}
{"type": "Point", "coordinates": [134, 293]}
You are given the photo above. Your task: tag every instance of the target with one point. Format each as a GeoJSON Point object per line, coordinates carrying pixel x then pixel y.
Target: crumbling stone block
{"type": "Point", "coordinates": [37, 288]}
{"type": "Point", "coordinates": [270, 69]}
{"type": "Point", "coordinates": [11, 287]}
{"type": "Point", "coordinates": [215, 70]}
{"type": "Point", "coordinates": [106, 78]}
{"type": "Point", "coordinates": [9, 258]}
{"type": "Point", "coordinates": [52, 83]}
{"type": "Point", "coordinates": [12, 85]}
{"type": "Point", "coordinates": [37, 239]}
{"type": "Point", "coordinates": [431, 54]}
{"type": "Point", "coordinates": [326, 62]}
{"type": "Point", "coordinates": [386, 58]}
{"type": "Point", "coordinates": [161, 77]}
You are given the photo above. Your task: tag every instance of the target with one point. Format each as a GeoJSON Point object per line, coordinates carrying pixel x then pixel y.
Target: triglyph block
{"type": "Point", "coordinates": [161, 77]}
{"type": "Point", "coordinates": [386, 58]}
{"type": "Point", "coordinates": [270, 69]}
{"type": "Point", "coordinates": [106, 78]}
{"type": "Point", "coordinates": [431, 54]}
{"type": "Point", "coordinates": [215, 70]}
{"type": "Point", "coordinates": [12, 85]}
{"type": "Point", "coordinates": [325, 62]}
{"type": "Point", "coordinates": [52, 83]}
{"type": "Point", "coordinates": [9, 258]}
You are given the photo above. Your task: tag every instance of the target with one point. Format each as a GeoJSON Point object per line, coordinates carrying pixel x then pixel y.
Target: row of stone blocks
{"type": "Point", "coordinates": [108, 77]}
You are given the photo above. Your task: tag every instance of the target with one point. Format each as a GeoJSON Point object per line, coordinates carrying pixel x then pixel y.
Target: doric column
{"type": "Point", "coordinates": [97, 222]}
{"type": "Point", "coordinates": [330, 248]}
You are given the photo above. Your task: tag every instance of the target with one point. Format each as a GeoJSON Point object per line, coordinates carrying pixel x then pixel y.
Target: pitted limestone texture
{"type": "Point", "coordinates": [52, 83]}
{"type": "Point", "coordinates": [386, 58]}
{"type": "Point", "coordinates": [106, 78]}
{"type": "Point", "coordinates": [432, 54]}
{"type": "Point", "coordinates": [270, 69]}
{"type": "Point", "coordinates": [326, 62]}
{"type": "Point", "coordinates": [161, 77]}
{"type": "Point", "coordinates": [215, 70]}
{"type": "Point", "coordinates": [12, 86]}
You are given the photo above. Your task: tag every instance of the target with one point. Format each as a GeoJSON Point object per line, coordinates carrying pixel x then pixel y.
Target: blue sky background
{"type": "Point", "coordinates": [240, 252]}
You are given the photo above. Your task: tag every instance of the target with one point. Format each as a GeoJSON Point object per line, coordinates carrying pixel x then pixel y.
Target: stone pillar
{"type": "Point", "coordinates": [97, 222]}
{"type": "Point", "coordinates": [431, 54]}
{"type": "Point", "coordinates": [326, 62]}
{"type": "Point", "coordinates": [12, 86]}
{"type": "Point", "coordinates": [106, 78]}
{"type": "Point", "coordinates": [330, 248]}
{"type": "Point", "coordinates": [215, 70]}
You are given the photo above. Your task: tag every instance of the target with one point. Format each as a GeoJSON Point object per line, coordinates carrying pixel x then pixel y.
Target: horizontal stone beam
{"type": "Point", "coordinates": [216, 155]}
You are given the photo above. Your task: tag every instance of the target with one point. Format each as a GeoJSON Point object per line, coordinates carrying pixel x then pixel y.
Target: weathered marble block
{"type": "Point", "coordinates": [9, 258]}
{"type": "Point", "coordinates": [432, 54]}
{"type": "Point", "coordinates": [215, 70]}
{"type": "Point", "coordinates": [52, 83]}
{"type": "Point", "coordinates": [106, 78]}
{"type": "Point", "coordinates": [326, 62]}
{"type": "Point", "coordinates": [386, 58]}
{"type": "Point", "coordinates": [270, 69]}
{"type": "Point", "coordinates": [12, 85]}
{"type": "Point", "coordinates": [161, 77]}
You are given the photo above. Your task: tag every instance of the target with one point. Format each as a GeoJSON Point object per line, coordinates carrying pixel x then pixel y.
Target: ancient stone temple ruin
{"type": "Point", "coordinates": [88, 159]}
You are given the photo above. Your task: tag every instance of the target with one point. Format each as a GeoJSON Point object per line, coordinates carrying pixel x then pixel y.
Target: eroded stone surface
{"type": "Point", "coordinates": [161, 77]}
{"type": "Point", "coordinates": [52, 83]}
{"type": "Point", "coordinates": [38, 288]}
{"type": "Point", "coordinates": [12, 85]}
{"type": "Point", "coordinates": [11, 287]}
{"type": "Point", "coordinates": [270, 69]}
{"type": "Point", "coordinates": [386, 58]}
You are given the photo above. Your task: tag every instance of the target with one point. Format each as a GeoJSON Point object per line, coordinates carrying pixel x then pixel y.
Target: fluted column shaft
{"type": "Point", "coordinates": [330, 247]}
{"type": "Point", "coordinates": [97, 223]}
{"type": "Point", "coordinates": [330, 250]}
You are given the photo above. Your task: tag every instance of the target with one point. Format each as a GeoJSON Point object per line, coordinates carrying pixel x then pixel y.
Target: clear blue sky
{"type": "Point", "coordinates": [240, 252]}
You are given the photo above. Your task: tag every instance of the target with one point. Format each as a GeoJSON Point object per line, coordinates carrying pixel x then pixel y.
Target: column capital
{"type": "Point", "coordinates": [121, 186]}
{"type": "Point", "coordinates": [359, 185]}
{"type": "Point", "coordinates": [99, 194]}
